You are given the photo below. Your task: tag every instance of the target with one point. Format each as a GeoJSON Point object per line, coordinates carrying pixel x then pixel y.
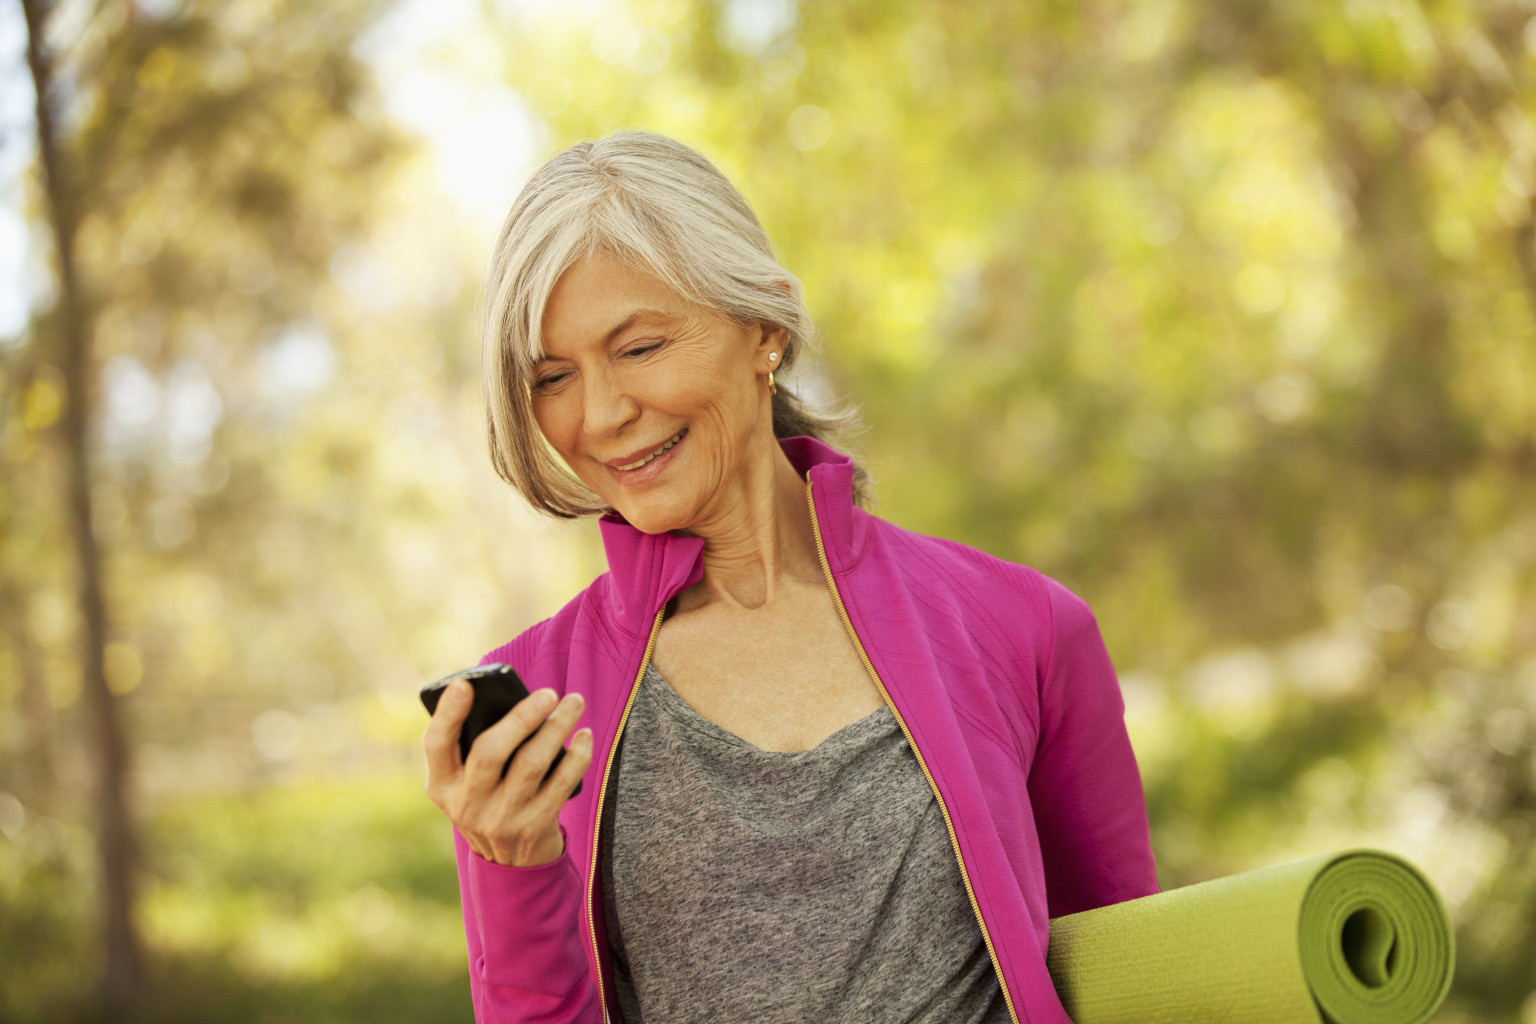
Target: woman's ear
{"type": "Point", "coordinates": [772, 338]}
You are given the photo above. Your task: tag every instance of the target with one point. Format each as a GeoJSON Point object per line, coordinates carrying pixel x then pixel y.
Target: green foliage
{"type": "Point", "coordinates": [42, 909]}
{"type": "Point", "coordinates": [1223, 314]}
{"type": "Point", "coordinates": [325, 903]}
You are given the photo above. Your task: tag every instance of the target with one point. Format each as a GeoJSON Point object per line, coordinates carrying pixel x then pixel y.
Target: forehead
{"type": "Point", "coordinates": [599, 295]}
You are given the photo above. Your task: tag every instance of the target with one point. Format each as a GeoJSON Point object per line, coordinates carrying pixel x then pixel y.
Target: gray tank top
{"type": "Point", "coordinates": [748, 885]}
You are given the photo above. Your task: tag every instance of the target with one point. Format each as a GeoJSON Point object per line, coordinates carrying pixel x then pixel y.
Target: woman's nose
{"type": "Point", "coordinates": [609, 407]}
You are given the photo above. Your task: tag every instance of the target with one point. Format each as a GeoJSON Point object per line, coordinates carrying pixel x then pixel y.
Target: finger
{"type": "Point", "coordinates": [492, 748]}
{"type": "Point", "coordinates": [532, 762]}
{"type": "Point", "coordinates": [482, 847]}
{"type": "Point", "coordinates": [557, 790]}
{"type": "Point", "coordinates": [441, 738]}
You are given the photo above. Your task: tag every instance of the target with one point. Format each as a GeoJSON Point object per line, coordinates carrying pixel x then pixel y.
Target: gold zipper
{"type": "Point", "coordinates": [597, 819]}
{"type": "Point", "coordinates": [837, 599]}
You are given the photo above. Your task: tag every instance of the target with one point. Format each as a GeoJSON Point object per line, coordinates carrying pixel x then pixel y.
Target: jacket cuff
{"type": "Point", "coordinates": [528, 919]}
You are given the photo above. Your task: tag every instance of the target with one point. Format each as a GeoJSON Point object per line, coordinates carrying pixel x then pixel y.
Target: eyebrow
{"type": "Point", "coordinates": [623, 325]}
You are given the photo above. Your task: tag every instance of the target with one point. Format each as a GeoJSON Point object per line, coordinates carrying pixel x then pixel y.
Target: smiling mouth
{"type": "Point", "coordinates": [659, 451]}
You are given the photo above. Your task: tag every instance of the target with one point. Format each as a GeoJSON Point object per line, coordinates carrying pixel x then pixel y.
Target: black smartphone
{"type": "Point", "coordinates": [497, 689]}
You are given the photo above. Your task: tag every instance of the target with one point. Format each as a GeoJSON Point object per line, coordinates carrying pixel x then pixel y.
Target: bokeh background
{"type": "Point", "coordinates": [1222, 312]}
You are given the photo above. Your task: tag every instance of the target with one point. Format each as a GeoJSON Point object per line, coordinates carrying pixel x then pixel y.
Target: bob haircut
{"type": "Point", "coordinates": [660, 207]}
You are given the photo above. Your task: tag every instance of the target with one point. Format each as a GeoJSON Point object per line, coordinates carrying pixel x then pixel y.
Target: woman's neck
{"type": "Point", "coordinates": [761, 538]}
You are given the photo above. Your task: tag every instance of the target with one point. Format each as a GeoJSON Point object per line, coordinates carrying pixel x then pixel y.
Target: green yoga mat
{"type": "Point", "coordinates": [1357, 937]}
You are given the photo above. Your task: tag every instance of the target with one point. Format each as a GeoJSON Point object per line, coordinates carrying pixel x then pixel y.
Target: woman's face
{"type": "Point", "coordinates": [632, 369]}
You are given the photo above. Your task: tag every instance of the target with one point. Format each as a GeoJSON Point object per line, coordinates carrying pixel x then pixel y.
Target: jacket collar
{"type": "Point", "coordinates": [647, 569]}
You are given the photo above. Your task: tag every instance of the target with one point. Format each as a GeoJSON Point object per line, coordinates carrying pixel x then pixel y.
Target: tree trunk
{"type": "Point", "coordinates": [115, 840]}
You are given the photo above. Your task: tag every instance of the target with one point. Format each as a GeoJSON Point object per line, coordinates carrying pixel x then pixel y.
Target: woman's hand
{"type": "Point", "coordinates": [511, 820]}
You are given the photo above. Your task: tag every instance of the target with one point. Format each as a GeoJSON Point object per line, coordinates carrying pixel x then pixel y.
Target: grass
{"type": "Point", "coordinates": [321, 904]}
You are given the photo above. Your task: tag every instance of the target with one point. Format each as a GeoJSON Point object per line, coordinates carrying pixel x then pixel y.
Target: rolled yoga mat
{"type": "Point", "coordinates": [1357, 937]}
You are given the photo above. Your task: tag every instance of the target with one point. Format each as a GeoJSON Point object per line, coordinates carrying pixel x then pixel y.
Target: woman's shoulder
{"type": "Point", "coordinates": [582, 620]}
{"type": "Point", "coordinates": [929, 554]}
{"type": "Point", "coordinates": [979, 577]}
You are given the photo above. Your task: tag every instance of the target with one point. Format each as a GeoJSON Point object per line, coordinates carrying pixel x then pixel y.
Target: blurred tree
{"type": "Point", "coordinates": [74, 360]}
{"type": "Point", "coordinates": [199, 170]}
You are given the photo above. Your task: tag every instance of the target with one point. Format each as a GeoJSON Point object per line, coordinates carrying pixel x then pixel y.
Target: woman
{"type": "Point", "coordinates": [860, 768]}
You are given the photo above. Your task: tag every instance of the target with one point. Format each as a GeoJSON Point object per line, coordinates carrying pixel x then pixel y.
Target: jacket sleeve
{"type": "Point", "coordinates": [526, 962]}
{"type": "Point", "coordinates": [1084, 785]}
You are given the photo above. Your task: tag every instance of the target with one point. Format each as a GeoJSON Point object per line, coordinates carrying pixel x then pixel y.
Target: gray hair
{"type": "Point", "coordinates": [661, 207]}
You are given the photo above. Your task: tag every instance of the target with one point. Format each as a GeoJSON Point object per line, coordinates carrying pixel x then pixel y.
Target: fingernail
{"type": "Point", "coordinates": [547, 698]}
{"type": "Point", "coordinates": [575, 700]}
{"type": "Point", "coordinates": [458, 690]}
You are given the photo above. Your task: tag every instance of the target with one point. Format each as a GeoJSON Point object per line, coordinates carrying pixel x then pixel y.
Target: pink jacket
{"type": "Point", "coordinates": [998, 677]}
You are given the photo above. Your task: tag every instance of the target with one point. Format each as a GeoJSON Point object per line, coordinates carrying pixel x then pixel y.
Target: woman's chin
{"type": "Point", "coordinates": [653, 520]}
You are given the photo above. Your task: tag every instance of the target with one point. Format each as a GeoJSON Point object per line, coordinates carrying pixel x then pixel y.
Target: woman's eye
{"type": "Point", "coordinates": [642, 349]}
{"type": "Point", "coordinates": [545, 383]}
